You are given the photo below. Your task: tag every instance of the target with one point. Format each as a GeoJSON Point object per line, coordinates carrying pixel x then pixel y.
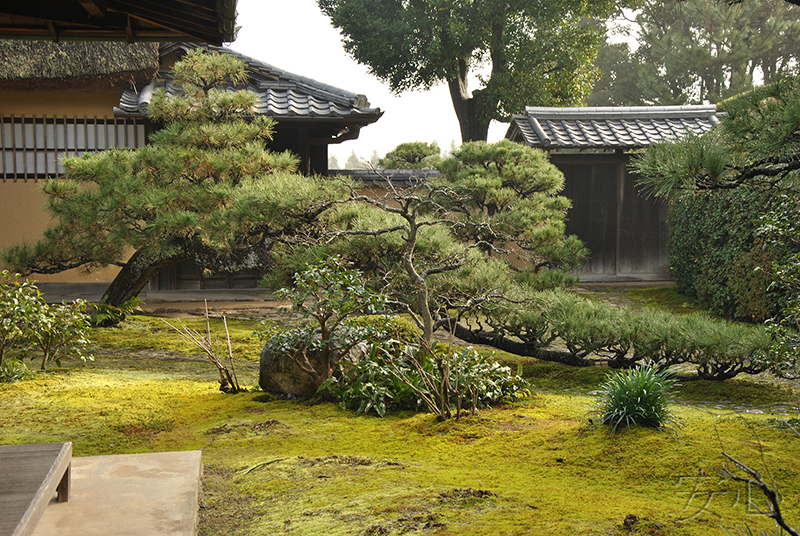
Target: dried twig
{"type": "Point", "coordinates": [228, 382]}
{"type": "Point", "coordinates": [754, 478]}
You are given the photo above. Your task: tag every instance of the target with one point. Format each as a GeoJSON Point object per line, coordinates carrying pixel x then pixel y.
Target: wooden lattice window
{"type": "Point", "coordinates": [31, 148]}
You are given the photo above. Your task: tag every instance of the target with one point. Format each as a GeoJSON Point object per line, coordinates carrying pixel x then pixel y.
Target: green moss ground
{"type": "Point", "coordinates": [304, 468]}
{"type": "Point", "coordinates": [663, 297]}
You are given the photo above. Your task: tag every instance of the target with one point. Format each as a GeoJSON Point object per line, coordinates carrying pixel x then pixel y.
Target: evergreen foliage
{"type": "Point", "coordinates": [205, 189]}
{"type": "Point", "coordinates": [412, 155]}
{"type": "Point", "coordinates": [694, 51]}
{"type": "Point", "coordinates": [756, 145]}
{"type": "Point", "coordinates": [448, 246]}
{"type": "Point", "coordinates": [536, 53]}
{"type": "Point", "coordinates": [717, 256]}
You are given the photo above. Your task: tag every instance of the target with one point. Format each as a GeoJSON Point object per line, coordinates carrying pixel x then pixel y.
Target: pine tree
{"type": "Point", "coordinates": [205, 189]}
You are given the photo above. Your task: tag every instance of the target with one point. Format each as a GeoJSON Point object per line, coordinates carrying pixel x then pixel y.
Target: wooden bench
{"type": "Point", "coordinates": [29, 477]}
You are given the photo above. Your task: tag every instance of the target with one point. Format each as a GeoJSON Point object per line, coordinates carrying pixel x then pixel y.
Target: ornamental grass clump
{"type": "Point", "coordinates": [636, 397]}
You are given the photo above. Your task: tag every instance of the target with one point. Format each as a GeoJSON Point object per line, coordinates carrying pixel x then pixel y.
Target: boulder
{"type": "Point", "coordinates": [278, 373]}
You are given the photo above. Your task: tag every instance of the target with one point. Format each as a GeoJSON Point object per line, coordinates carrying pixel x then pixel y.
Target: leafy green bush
{"type": "Point", "coordinates": [26, 321]}
{"type": "Point", "coordinates": [327, 296]}
{"type": "Point", "coordinates": [20, 305]}
{"type": "Point", "coordinates": [636, 397]}
{"type": "Point", "coordinates": [13, 370]}
{"type": "Point", "coordinates": [399, 376]}
{"type": "Point", "coordinates": [717, 257]}
{"type": "Point", "coordinates": [373, 384]}
{"type": "Point", "coordinates": [60, 331]}
{"type": "Point", "coordinates": [104, 315]}
{"type": "Point", "coordinates": [780, 230]}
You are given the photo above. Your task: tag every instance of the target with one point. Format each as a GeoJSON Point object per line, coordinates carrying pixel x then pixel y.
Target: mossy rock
{"type": "Point", "coordinates": [280, 373]}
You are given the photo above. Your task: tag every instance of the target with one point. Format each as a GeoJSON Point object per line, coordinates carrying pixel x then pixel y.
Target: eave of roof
{"type": "Point", "coordinates": [282, 95]}
{"type": "Point", "coordinates": [609, 127]}
{"type": "Point", "coordinates": [205, 21]}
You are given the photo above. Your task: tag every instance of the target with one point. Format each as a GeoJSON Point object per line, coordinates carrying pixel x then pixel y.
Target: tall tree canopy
{"type": "Point", "coordinates": [523, 52]}
{"type": "Point", "coordinates": [205, 189]}
{"type": "Point", "coordinates": [699, 51]}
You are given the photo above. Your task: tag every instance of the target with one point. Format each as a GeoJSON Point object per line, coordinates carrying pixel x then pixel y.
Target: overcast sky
{"type": "Point", "coordinates": [295, 36]}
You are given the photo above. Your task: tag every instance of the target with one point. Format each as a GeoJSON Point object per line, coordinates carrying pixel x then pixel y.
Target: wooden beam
{"type": "Point", "coordinates": [96, 8]}
{"type": "Point", "coordinates": [129, 30]}
{"type": "Point", "coordinates": [53, 33]}
{"type": "Point", "coordinates": [193, 21]}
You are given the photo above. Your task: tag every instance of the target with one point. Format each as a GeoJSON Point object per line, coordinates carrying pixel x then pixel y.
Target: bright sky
{"type": "Point", "coordinates": [295, 36]}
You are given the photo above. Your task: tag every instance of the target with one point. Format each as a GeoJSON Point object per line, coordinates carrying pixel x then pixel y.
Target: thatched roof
{"type": "Point", "coordinates": [45, 65]}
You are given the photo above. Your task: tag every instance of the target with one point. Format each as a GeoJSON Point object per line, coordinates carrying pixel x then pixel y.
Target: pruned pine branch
{"type": "Point", "coordinates": [364, 232]}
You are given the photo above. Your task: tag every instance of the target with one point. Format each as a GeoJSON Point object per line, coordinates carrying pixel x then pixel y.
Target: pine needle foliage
{"type": "Point", "coordinates": [206, 189]}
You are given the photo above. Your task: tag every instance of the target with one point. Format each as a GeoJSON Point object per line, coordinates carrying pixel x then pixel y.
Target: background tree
{"type": "Point", "coordinates": [618, 84]}
{"type": "Point", "coordinates": [333, 162]}
{"type": "Point", "coordinates": [205, 189]}
{"type": "Point", "coordinates": [524, 53]}
{"type": "Point", "coordinates": [353, 162]}
{"type": "Point", "coordinates": [696, 51]}
{"type": "Point", "coordinates": [412, 155]}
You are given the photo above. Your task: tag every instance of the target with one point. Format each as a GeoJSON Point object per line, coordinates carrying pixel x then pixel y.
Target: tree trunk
{"type": "Point", "coordinates": [135, 274]}
{"type": "Point", "coordinates": [472, 119]}
{"type": "Point", "coordinates": [518, 347]}
{"type": "Point", "coordinates": [145, 263]}
{"type": "Point", "coordinates": [475, 112]}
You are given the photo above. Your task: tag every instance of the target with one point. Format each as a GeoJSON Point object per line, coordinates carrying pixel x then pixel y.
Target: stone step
{"type": "Point", "coordinates": [128, 495]}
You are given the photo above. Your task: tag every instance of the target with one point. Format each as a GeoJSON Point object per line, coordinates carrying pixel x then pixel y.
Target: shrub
{"type": "Point", "coordinates": [104, 315]}
{"type": "Point", "coordinates": [61, 330]}
{"type": "Point", "coordinates": [717, 257]}
{"type": "Point", "coordinates": [27, 321]}
{"type": "Point", "coordinates": [20, 304]}
{"type": "Point", "coordinates": [13, 370]}
{"type": "Point", "coordinates": [719, 348]}
{"type": "Point", "coordinates": [636, 397]}
{"type": "Point", "coordinates": [726, 349]}
{"type": "Point", "coordinates": [400, 376]}
{"type": "Point", "coordinates": [585, 326]}
{"type": "Point", "coordinates": [327, 296]}
{"type": "Point", "coordinates": [373, 384]}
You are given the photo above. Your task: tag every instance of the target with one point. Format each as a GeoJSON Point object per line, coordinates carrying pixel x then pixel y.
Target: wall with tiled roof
{"type": "Point", "coordinates": [609, 127]}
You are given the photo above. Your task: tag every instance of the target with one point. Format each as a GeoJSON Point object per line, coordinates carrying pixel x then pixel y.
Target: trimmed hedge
{"type": "Point", "coordinates": [591, 330]}
{"type": "Point", "coordinates": [717, 257]}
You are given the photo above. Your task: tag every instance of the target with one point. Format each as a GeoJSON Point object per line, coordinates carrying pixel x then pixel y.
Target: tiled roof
{"type": "Point", "coordinates": [282, 95]}
{"type": "Point", "coordinates": [609, 127]}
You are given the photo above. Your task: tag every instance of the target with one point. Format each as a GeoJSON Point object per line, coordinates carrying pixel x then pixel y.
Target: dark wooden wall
{"type": "Point", "coordinates": [626, 232]}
